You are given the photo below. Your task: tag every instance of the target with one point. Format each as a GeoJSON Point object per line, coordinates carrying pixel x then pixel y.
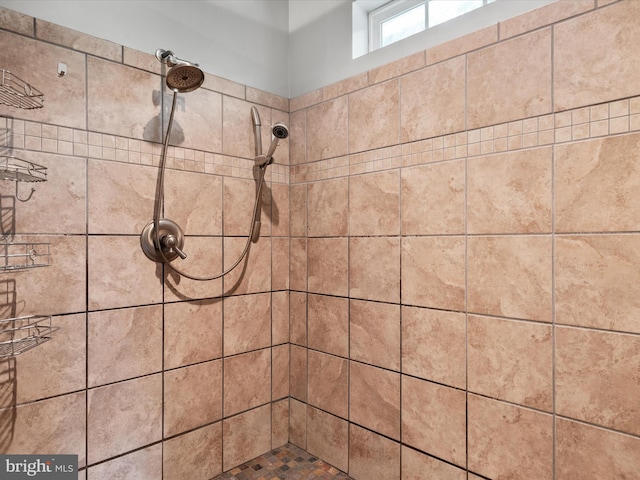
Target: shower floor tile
{"type": "Point", "coordinates": [285, 463]}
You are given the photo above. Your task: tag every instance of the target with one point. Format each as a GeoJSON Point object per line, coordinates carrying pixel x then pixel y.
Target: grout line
{"type": "Point", "coordinates": [87, 302]}
{"type": "Point", "coordinates": [222, 336]}
{"type": "Point", "coordinates": [349, 312]}
{"type": "Point", "coordinates": [553, 312]}
{"type": "Point", "coordinates": [553, 261]}
{"type": "Point", "coordinates": [466, 304]}
{"type": "Point", "coordinates": [400, 316]}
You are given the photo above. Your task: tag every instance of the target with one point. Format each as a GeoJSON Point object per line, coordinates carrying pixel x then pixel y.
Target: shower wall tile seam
{"type": "Point", "coordinates": [463, 390]}
{"type": "Point", "coordinates": [554, 273]}
{"type": "Point", "coordinates": [120, 455]}
{"type": "Point", "coordinates": [474, 312]}
{"type": "Point", "coordinates": [597, 426]}
{"type": "Point", "coordinates": [51, 397]}
{"type": "Point", "coordinates": [411, 305]}
{"type": "Point", "coordinates": [158, 442]}
{"type": "Point", "coordinates": [242, 412]}
{"type": "Point", "coordinates": [521, 320]}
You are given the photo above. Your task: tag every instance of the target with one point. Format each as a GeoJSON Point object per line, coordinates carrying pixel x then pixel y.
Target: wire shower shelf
{"type": "Point", "coordinates": [17, 335]}
{"type": "Point", "coordinates": [15, 92]}
{"type": "Point", "coordinates": [20, 256]}
{"type": "Point", "coordinates": [13, 168]}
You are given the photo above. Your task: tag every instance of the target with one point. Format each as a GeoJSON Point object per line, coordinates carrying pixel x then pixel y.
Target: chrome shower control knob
{"type": "Point", "coordinates": [164, 245]}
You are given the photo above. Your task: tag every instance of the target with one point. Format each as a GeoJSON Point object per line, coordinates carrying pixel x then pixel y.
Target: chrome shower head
{"type": "Point", "coordinates": [184, 76]}
{"type": "Point", "coordinates": [280, 130]}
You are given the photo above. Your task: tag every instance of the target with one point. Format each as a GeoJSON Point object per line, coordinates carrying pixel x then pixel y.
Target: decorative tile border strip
{"type": "Point", "coordinates": [621, 116]}
{"type": "Point", "coordinates": [45, 138]}
{"type": "Point", "coordinates": [594, 121]}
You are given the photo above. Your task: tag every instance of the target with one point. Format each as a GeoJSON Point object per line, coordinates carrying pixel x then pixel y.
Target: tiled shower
{"type": "Point", "coordinates": [446, 285]}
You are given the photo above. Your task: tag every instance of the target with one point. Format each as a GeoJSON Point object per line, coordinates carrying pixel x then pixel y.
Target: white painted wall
{"type": "Point", "coordinates": [286, 47]}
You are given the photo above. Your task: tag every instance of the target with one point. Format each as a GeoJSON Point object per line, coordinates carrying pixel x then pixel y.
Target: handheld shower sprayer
{"type": "Point", "coordinates": [278, 132]}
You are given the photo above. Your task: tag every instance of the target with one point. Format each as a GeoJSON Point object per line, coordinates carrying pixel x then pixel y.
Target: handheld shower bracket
{"type": "Point", "coordinates": [263, 160]}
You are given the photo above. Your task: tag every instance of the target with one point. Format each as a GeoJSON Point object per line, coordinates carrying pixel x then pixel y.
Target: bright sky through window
{"type": "Point", "coordinates": [400, 19]}
{"type": "Point", "coordinates": [403, 25]}
{"type": "Point", "coordinates": [442, 10]}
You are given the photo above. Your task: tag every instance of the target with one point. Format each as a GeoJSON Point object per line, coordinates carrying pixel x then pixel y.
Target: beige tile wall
{"type": "Point", "coordinates": [150, 376]}
{"type": "Point", "coordinates": [451, 251]}
{"type": "Point", "coordinates": [473, 280]}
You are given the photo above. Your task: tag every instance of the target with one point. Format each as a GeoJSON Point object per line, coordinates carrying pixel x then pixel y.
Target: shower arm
{"type": "Point", "coordinates": [170, 241]}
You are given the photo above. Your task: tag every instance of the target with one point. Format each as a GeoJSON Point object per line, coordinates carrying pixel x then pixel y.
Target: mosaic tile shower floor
{"type": "Point", "coordinates": [285, 463]}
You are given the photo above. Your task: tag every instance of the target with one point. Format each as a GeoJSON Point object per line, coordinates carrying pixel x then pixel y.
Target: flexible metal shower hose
{"type": "Point", "coordinates": [160, 204]}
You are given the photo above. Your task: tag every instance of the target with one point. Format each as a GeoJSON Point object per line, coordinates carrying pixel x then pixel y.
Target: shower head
{"type": "Point", "coordinates": [184, 76]}
{"type": "Point", "coordinates": [279, 131]}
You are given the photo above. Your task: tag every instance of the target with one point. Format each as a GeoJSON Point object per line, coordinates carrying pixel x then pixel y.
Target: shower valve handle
{"type": "Point", "coordinates": [165, 244]}
{"type": "Point", "coordinates": [171, 241]}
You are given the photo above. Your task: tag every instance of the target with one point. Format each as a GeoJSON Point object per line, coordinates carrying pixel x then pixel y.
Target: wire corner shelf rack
{"type": "Point", "coordinates": [20, 334]}
{"type": "Point", "coordinates": [16, 169]}
{"type": "Point", "coordinates": [15, 92]}
{"type": "Point", "coordinates": [21, 256]}
{"type": "Point", "coordinates": [17, 335]}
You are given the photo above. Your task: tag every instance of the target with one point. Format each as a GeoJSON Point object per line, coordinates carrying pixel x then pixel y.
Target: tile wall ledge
{"type": "Point", "coordinates": [21, 135]}
{"type": "Point", "coordinates": [584, 123]}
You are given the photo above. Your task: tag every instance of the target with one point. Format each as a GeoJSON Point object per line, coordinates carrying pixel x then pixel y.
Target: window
{"type": "Point", "coordinates": [395, 21]}
{"type": "Point", "coordinates": [400, 19]}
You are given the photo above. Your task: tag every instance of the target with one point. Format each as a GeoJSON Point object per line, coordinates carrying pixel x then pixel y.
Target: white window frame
{"type": "Point", "coordinates": [387, 12]}
{"type": "Point", "coordinates": [391, 10]}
